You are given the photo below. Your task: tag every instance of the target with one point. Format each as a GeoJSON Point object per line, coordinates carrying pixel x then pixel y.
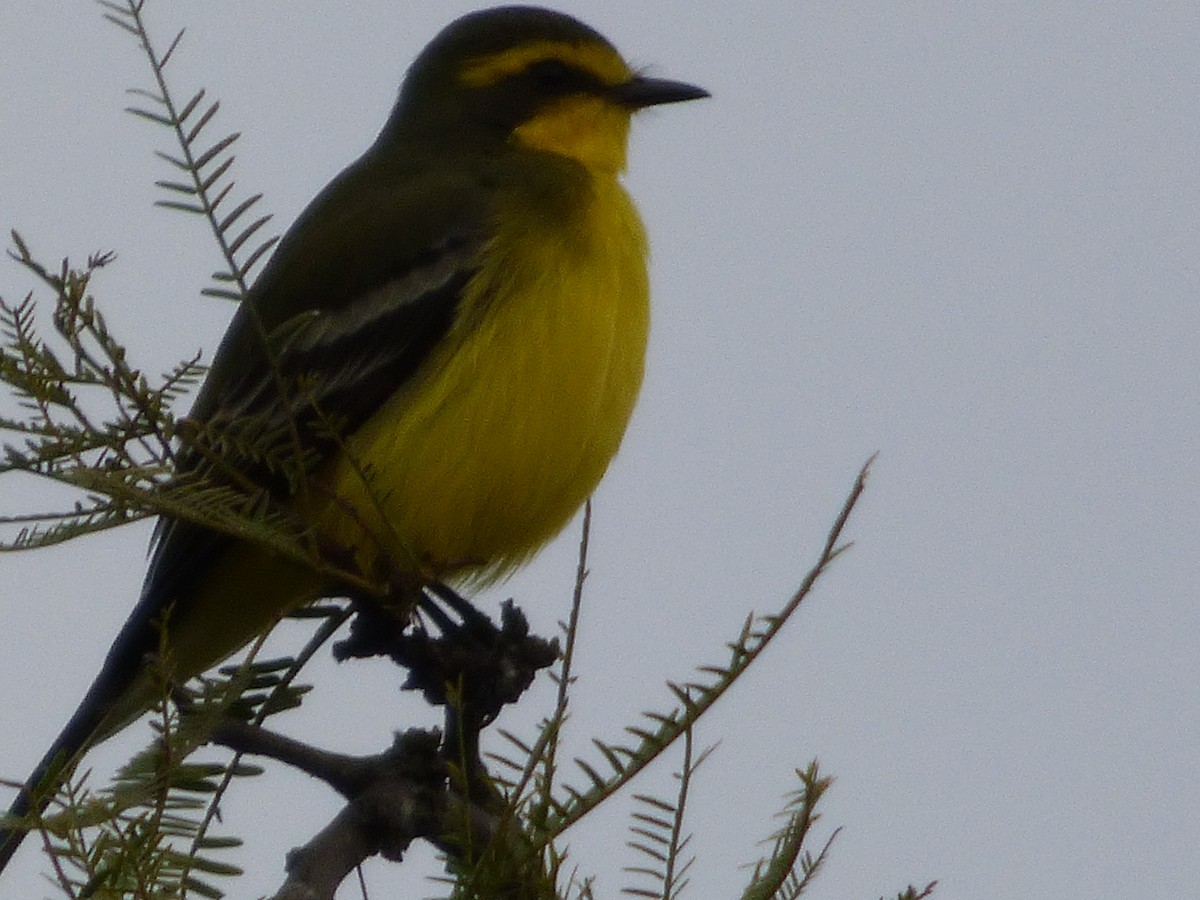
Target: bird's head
{"type": "Point", "coordinates": [532, 76]}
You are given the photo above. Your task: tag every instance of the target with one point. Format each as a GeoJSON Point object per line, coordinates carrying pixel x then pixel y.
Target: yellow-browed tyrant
{"type": "Point", "coordinates": [448, 344]}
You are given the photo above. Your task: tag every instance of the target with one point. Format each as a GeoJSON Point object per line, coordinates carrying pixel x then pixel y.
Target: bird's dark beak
{"type": "Point", "coordinates": [639, 92]}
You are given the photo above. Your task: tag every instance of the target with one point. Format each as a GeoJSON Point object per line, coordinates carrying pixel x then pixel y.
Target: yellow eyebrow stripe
{"type": "Point", "coordinates": [602, 61]}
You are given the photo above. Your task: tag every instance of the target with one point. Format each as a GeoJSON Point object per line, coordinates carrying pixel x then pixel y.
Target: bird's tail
{"type": "Point", "coordinates": [105, 708]}
{"type": "Point", "coordinates": [55, 768]}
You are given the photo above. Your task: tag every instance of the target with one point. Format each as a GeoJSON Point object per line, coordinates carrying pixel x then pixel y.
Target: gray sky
{"type": "Point", "coordinates": [963, 235]}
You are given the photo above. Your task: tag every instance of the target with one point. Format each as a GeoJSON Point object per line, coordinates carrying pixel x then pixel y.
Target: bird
{"type": "Point", "coordinates": [445, 348]}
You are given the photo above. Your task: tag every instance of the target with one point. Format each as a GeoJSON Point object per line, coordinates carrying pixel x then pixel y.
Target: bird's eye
{"type": "Point", "coordinates": [553, 75]}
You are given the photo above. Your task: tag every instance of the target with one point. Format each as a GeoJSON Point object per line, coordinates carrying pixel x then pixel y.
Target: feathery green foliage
{"type": "Point", "coordinates": [659, 836]}
{"type": "Point", "coordinates": [788, 870]}
{"type": "Point", "coordinates": [695, 698]}
{"type": "Point", "coordinates": [88, 419]}
{"type": "Point", "coordinates": [205, 189]}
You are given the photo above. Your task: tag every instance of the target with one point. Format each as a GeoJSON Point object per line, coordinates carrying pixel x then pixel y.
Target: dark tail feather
{"type": "Point", "coordinates": [55, 768]}
{"type": "Point", "coordinates": [88, 725]}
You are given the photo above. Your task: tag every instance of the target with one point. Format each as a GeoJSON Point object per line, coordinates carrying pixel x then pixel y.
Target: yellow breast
{"type": "Point", "coordinates": [500, 438]}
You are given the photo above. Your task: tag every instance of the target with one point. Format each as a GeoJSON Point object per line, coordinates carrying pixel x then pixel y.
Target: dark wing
{"type": "Point", "coordinates": [365, 283]}
{"type": "Point", "coordinates": [361, 289]}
